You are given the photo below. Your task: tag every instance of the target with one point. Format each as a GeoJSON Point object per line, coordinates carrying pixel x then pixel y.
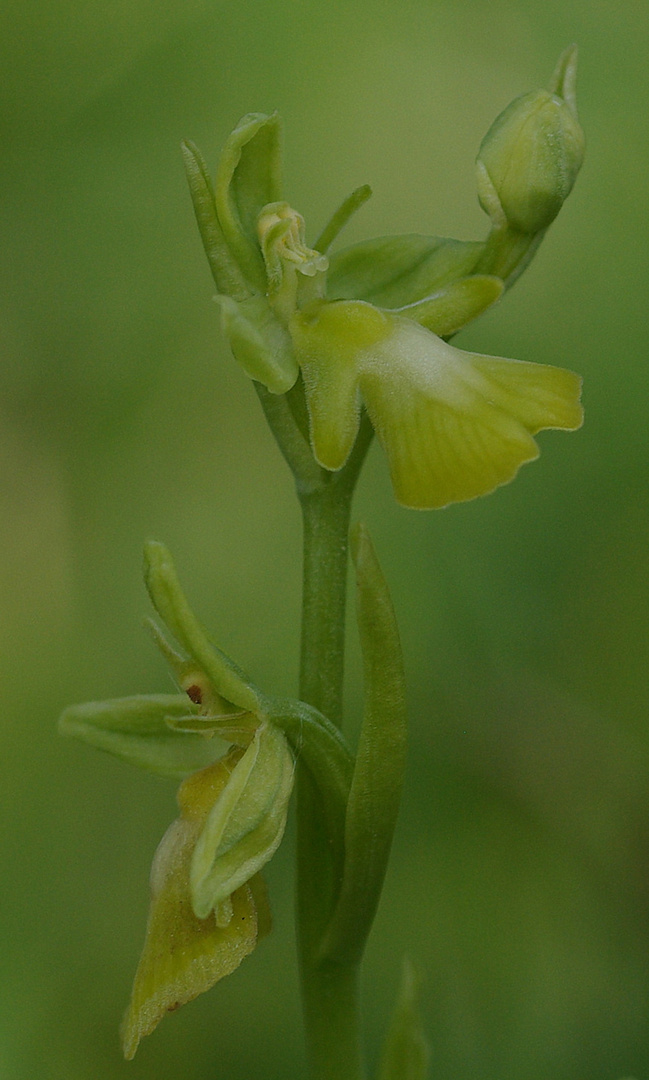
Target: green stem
{"type": "Point", "coordinates": [507, 253]}
{"type": "Point", "coordinates": [325, 515]}
{"type": "Point", "coordinates": [330, 990]}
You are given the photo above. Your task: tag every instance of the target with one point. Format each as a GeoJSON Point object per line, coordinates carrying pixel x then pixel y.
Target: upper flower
{"type": "Point", "coordinates": [366, 327]}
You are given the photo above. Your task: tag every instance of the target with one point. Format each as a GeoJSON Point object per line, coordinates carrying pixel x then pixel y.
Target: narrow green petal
{"type": "Point", "coordinates": [341, 216]}
{"type": "Point", "coordinates": [171, 604]}
{"type": "Point", "coordinates": [246, 823]}
{"type": "Point", "coordinates": [456, 425]}
{"type": "Point", "coordinates": [392, 271]}
{"type": "Point", "coordinates": [184, 956]}
{"type": "Point", "coordinates": [233, 728]}
{"type": "Point", "coordinates": [136, 729]}
{"type": "Point", "coordinates": [563, 81]}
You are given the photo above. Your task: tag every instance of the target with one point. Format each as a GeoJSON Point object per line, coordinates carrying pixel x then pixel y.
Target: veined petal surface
{"type": "Point", "coordinates": [456, 425]}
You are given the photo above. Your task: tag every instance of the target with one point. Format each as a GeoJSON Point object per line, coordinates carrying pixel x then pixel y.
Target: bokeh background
{"type": "Point", "coordinates": [520, 879]}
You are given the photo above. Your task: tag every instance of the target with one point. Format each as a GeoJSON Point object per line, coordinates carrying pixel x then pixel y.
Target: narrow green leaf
{"type": "Point", "coordinates": [380, 760]}
{"type": "Point", "coordinates": [320, 745]}
{"type": "Point", "coordinates": [341, 216]}
{"type": "Point", "coordinates": [170, 603]}
{"type": "Point", "coordinates": [226, 273]}
{"type": "Point", "coordinates": [136, 729]}
{"type": "Point", "coordinates": [248, 177]}
{"type": "Point", "coordinates": [405, 1051]}
{"type": "Point", "coordinates": [392, 271]}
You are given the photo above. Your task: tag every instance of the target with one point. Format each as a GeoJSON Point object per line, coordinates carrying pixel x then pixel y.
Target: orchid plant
{"type": "Point", "coordinates": [339, 347]}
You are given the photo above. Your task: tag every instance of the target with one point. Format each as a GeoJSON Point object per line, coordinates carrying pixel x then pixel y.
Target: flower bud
{"type": "Point", "coordinates": [530, 157]}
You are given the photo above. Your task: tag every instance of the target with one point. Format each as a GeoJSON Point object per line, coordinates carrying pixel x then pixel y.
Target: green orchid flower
{"type": "Point", "coordinates": [208, 903]}
{"type": "Point", "coordinates": [368, 327]}
{"type": "Point", "coordinates": [234, 748]}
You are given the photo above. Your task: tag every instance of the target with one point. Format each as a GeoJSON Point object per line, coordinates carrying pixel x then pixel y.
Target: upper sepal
{"type": "Point", "coordinates": [225, 270]}
{"type": "Point", "coordinates": [248, 177]}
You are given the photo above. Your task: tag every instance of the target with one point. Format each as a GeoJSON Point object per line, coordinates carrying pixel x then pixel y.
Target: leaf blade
{"type": "Point", "coordinates": [377, 781]}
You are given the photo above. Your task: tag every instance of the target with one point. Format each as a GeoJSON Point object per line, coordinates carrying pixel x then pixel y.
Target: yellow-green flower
{"type": "Point", "coordinates": [361, 325]}
{"type": "Point", "coordinates": [208, 902]}
{"type": "Point", "coordinates": [453, 424]}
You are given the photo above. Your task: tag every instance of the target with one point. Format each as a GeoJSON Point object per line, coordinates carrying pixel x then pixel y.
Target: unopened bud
{"type": "Point", "coordinates": [531, 155]}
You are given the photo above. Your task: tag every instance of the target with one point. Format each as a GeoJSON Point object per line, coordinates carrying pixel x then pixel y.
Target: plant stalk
{"type": "Point", "coordinates": [329, 991]}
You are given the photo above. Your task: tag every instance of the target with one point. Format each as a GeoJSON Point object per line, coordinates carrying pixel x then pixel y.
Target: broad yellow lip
{"type": "Point", "coordinates": [455, 425]}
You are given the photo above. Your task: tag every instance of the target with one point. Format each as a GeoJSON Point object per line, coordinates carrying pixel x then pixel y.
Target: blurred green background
{"type": "Point", "coordinates": [520, 880]}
